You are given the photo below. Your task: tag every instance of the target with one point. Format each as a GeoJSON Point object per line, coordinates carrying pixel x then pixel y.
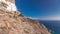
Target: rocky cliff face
{"type": "Point", "coordinates": [13, 22]}
{"type": "Point", "coordinates": [16, 23]}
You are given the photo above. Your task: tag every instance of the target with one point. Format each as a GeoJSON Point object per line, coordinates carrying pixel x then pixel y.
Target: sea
{"type": "Point", "coordinates": [52, 25]}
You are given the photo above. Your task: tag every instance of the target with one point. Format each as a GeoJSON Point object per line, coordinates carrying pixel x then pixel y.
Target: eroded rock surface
{"type": "Point", "coordinates": [16, 23]}
{"type": "Point", "coordinates": [13, 22]}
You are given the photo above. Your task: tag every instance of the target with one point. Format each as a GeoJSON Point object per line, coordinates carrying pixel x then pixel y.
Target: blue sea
{"type": "Point", "coordinates": [53, 25]}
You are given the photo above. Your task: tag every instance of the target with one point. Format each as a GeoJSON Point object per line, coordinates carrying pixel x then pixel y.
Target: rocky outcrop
{"type": "Point", "coordinates": [16, 23]}
{"type": "Point", "coordinates": [13, 22]}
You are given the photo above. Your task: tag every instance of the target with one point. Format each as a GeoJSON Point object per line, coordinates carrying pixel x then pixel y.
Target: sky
{"type": "Point", "coordinates": [40, 9]}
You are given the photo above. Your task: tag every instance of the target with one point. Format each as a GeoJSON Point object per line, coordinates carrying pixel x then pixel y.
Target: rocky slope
{"type": "Point", "coordinates": [16, 23]}
{"type": "Point", "coordinates": [13, 22]}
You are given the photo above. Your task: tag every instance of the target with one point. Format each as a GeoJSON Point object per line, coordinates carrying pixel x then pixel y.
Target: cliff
{"type": "Point", "coordinates": [16, 23]}
{"type": "Point", "coordinates": [13, 22]}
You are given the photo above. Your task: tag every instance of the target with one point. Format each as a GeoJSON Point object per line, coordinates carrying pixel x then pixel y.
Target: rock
{"type": "Point", "coordinates": [16, 23]}
{"type": "Point", "coordinates": [13, 22]}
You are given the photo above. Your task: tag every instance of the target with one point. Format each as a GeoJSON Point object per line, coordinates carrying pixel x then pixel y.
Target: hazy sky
{"type": "Point", "coordinates": [41, 9]}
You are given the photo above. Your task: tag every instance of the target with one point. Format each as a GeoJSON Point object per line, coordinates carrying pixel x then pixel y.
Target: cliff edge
{"type": "Point", "coordinates": [13, 22]}
{"type": "Point", "coordinates": [16, 23]}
